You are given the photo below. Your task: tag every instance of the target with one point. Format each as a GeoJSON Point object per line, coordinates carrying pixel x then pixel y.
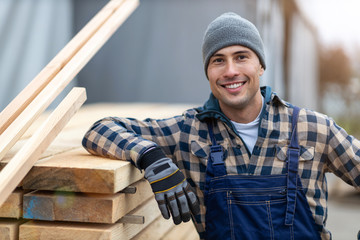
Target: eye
{"type": "Point", "coordinates": [217, 60]}
{"type": "Point", "coordinates": [241, 57]}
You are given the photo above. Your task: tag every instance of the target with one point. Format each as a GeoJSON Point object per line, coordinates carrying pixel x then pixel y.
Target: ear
{"type": "Point", "coordinates": [261, 71]}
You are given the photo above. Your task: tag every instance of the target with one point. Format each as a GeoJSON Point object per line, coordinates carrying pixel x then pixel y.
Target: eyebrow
{"type": "Point", "coordinates": [242, 51]}
{"type": "Point", "coordinates": [235, 53]}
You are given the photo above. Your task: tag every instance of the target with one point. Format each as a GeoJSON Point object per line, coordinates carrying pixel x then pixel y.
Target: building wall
{"type": "Point", "coordinates": [303, 65]}
{"type": "Point", "coordinates": [270, 22]}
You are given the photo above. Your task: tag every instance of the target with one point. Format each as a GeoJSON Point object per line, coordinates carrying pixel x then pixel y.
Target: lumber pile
{"type": "Point", "coordinates": [50, 187]}
{"type": "Point", "coordinates": [70, 194]}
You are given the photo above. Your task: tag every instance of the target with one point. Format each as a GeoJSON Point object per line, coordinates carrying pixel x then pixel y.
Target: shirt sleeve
{"type": "Point", "coordinates": [344, 155]}
{"type": "Point", "coordinates": [128, 139]}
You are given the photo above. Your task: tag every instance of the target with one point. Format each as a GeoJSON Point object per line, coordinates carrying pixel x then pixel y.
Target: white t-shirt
{"type": "Point", "coordinates": [249, 131]}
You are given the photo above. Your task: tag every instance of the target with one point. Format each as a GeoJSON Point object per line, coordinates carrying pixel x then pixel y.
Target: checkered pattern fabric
{"type": "Point", "coordinates": [325, 147]}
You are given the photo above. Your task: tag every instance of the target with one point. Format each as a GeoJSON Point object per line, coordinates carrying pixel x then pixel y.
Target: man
{"type": "Point", "coordinates": [252, 165]}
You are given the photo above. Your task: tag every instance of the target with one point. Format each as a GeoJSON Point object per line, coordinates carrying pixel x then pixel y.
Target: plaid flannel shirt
{"type": "Point", "coordinates": [325, 147]}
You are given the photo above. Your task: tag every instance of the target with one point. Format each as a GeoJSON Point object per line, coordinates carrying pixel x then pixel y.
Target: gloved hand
{"type": "Point", "coordinates": [172, 192]}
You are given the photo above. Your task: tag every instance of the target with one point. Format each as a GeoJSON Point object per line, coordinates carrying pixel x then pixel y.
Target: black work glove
{"type": "Point", "coordinates": [172, 192]}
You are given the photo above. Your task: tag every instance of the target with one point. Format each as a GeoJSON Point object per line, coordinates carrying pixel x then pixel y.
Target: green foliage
{"type": "Point", "coordinates": [351, 125]}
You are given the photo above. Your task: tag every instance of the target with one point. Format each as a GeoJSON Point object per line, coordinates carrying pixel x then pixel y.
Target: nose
{"type": "Point", "coordinates": [231, 70]}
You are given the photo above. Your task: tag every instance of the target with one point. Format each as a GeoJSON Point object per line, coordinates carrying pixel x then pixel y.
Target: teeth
{"type": "Point", "coordinates": [235, 85]}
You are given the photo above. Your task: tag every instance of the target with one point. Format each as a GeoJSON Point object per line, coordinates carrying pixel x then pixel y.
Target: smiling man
{"type": "Point", "coordinates": [246, 165]}
{"type": "Point", "coordinates": [234, 73]}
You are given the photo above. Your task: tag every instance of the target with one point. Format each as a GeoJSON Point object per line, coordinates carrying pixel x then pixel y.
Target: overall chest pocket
{"type": "Point", "coordinates": [200, 149]}
{"type": "Point", "coordinates": [306, 153]}
{"type": "Point", "coordinates": [306, 156]}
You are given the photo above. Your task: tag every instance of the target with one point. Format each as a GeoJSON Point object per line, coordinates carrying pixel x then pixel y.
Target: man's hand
{"type": "Point", "coordinates": [172, 192]}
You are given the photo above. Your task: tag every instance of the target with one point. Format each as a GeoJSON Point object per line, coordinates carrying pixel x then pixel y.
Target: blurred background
{"type": "Point", "coordinates": [312, 51]}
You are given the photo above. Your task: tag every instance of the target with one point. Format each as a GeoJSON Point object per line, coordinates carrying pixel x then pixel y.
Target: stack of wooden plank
{"type": "Point", "coordinates": [70, 194]}
{"type": "Point", "coordinates": [12, 173]}
{"type": "Point", "coordinates": [55, 189]}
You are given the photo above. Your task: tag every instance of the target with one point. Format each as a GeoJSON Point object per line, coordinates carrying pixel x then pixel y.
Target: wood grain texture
{"type": "Point", "coordinates": [67, 140]}
{"type": "Point", "coordinates": [184, 231]}
{"type": "Point", "coordinates": [9, 229]}
{"type": "Point", "coordinates": [156, 230]}
{"type": "Point", "coordinates": [78, 171]}
{"type": "Point", "coordinates": [12, 174]}
{"type": "Point", "coordinates": [80, 207]}
{"type": "Point", "coordinates": [12, 207]}
{"type": "Point", "coordinates": [39, 230]}
{"type": "Point", "coordinates": [74, 158]}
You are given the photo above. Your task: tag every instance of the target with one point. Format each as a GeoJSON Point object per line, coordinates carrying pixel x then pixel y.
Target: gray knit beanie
{"type": "Point", "coordinates": [231, 29]}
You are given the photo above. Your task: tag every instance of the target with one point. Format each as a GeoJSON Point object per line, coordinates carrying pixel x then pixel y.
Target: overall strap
{"type": "Point", "coordinates": [215, 164]}
{"type": "Point", "coordinates": [293, 154]}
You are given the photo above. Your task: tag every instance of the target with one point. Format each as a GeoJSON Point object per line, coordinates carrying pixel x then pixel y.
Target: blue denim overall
{"type": "Point", "coordinates": [257, 207]}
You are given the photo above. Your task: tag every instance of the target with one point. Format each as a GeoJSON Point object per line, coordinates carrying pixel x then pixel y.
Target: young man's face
{"type": "Point", "coordinates": [234, 76]}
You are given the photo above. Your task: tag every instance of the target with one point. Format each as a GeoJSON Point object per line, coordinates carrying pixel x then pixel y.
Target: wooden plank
{"type": "Point", "coordinates": [157, 229]}
{"type": "Point", "coordinates": [12, 207]}
{"type": "Point", "coordinates": [78, 171]}
{"type": "Point", "coordinates": [68, 139]}
{"type": "Point", "coordinates": [78, 207]}
{"type": "Point", "coordinates": [12, 133]}
{"type": "Point", "coordinates": [18, 167]}
{"type": "Point", "coordinates": [183, 231]}
{"type": "Point", "coordinates": [40, 230]}
{"type": "Point", "coordinates": [22, 100]}
{"type": "Point", "coordinates": [9, 229]}
{"type": "Point", "coordinates": [72, 134]}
